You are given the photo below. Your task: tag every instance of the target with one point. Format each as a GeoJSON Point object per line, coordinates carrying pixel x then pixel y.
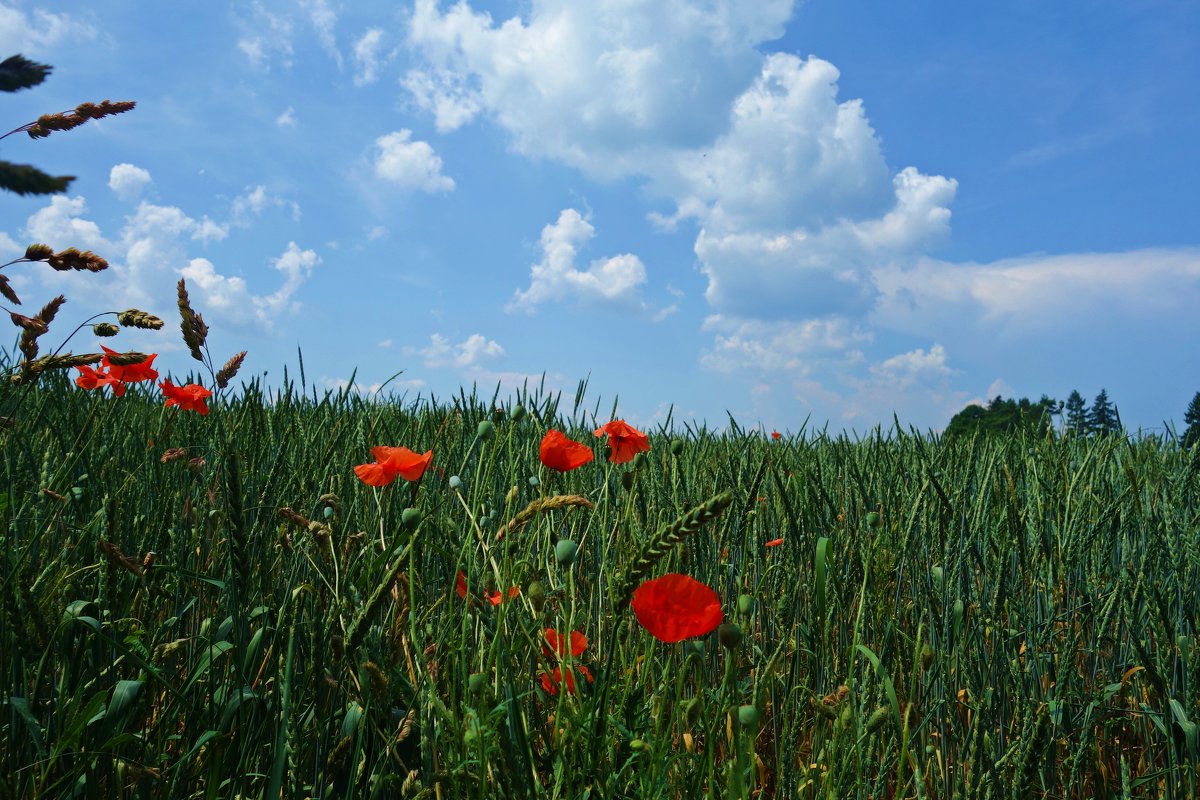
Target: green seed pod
{"type": "Point", "coordinates": [637, 744]}
{"type": "Point", "coordinates": [745, 604]}
{"type": "Point", "coordinates": [677, 447]}
{"type": "Point", "coordinates": [627, 480]}
{"type": "Point", "coordinates": [476, 682]}
{"type": "Point", "coordinates": [730, 634]}
{"type": "Point", "coordinates": [639, 460]}
{"type": "Point", "coordinates": [456, 482]}
{"type": "Point", "coordinates": [328, 512]}
{"type": "Point", "coordinates": [486, 430]}
{"type": "Point", "coordinates": [518, 413]}
{"type": "Point", "coordinates": [565, 552]}
{"type": "Point", "coordinates": [873, 519]}
{"type": "Point", "coordinates": [877, 718]}
{"type": "Point", "coordinates": [534, 481]}
{"type": "Point", "coordinates": [926, 656]}
{"type": "Point", "coordinates": [410, 518]}
{"type": "Point", "coordinates": [537, 595]}
{"type": "Point", "coordinates": [749, 716]}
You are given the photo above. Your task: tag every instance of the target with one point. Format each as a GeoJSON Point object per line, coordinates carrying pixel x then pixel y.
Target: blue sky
{"type": "Point", "coordinates": [779, 210]}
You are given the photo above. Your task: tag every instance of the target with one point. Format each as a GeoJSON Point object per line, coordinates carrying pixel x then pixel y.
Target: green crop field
{"type": "Point", "coordinates": [220, 605]}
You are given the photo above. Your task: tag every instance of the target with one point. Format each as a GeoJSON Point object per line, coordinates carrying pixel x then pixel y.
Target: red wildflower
{"type": "Point", "coordinates": [188, 398]}
{"type": "Point", "coordinates": [497, 597]}
{"type": "Point", "coordinates": [776, 435]}
{"type": "Point", "coordinates": [676, 607]}
{"type": "Point", "coordinates": [92, 378]}
{"type": "Point", "coordinates": [625, 440]}
{"type": "Point", "coordinates": [391, 462]}
{"type": "Point", "coordinates": [129, 373]}
{"type": "Point", "coordinates": [460, 585]}
{"type": "Point", "coordinates": [557, 643]}
{"type": "Point", "coordinates": [563, 454]}
{"type": "Point", "coordinates": [774, 542]}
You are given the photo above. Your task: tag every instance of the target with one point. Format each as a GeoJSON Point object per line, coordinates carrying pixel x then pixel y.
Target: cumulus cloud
{"type": "Point", "coordinates": [231, 295]}
{"type": "Point", "coordinates": [467, 354]}
{"type": "Point", "coordinates": [366, 57]}
{"type": "Point", "coordinates": [287, 119]}
{"type": "Point", "coordinates": [324, 21]}
{"type": "Point", "coordinates": [128, 181]}
{"type": "Point", "coordinates": [268, 37]}
{"type": "Point", "coordinates": [39, 34]}
{"type": "Point", "coordinates": [410, 164]}
{"type": "Point", "coordinates": [256, 199]}
{"type": "Point", "coordinates": [606, 280]}
{"type": "Point", "coordinates": [792, 346]}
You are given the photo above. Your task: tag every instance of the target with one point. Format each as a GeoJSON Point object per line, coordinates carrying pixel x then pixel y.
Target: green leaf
{"type": "Point", "coordinates": [21, 706]}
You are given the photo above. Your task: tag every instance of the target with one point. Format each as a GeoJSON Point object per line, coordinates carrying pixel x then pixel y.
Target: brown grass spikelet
{"type": "Point", "coordinates": [337, 756]}
{"type": "Point", "coordinates": [69, 259]}
{"type": "Point", "coordinates": [8, 292]}
{"type": "Point", "coordinates": [227, 372]}
{"type": "Point", "coordinates": [119, 559]}
{"type": "Point", "coordinates": [172, 454]}
{"type": "Point", "coordinates": [126, 359]}
{"type": "Point", "coordinates": [191, 324]}
{"type": "Point", "coordinates": [49, 123]}
{"type": "Point", "coordinates": [105, 329]}
{"type": "Point", "coordinates": [32, 324]}
{"type": "Point", "coordinates": [379, 681]}
{"type": "Point", "coordinates": [543, 504]}
{"type": "Point", "coordinates": [54, 495]}
{"type": "Point", "coordinates": [294, 517]}
{"type": "Point", "coordinates": [136, 318]}
{"type": "Point", "coordinates": [49, 310]}
{"type": "Point", "coordinates": [68, 360]}
{"type": "Point", "coordinates": [38, 252]}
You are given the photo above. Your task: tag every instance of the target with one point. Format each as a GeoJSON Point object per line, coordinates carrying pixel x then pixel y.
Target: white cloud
{"type": "Point", "coordinates": [257, 199]}
{"type": "Point", "coordinates": [606, 280]}
{"type": "Point", "coordinates": [59, 224]}
{"type": "Point", "coordinates": [772, 347]}
{"type": "Point", "coordinates": [9, 249]}
{"type": "Point", "coordinates": [128, 181]}
{"type": "Point", "coordinates": [904, 370]}
{"type": "Point", "coordinates": [324, 20]}
{"type": "Point", "coordinates": [366, 57]}
{"type": "Point", "coordinates": [41, 34]}
{"type": "Point", "coordinates": [412, 165]}
{"type": "Point", "coordinates": [231, 295]}
{"type": "Point", "coordinates": [465, 355]}
{"type": "Point", "coordinates": [268, 36]}
{"type": "Point", "coordinates": [287, 119]}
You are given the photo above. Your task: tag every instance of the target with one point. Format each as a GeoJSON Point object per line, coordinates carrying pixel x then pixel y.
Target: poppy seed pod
{"type": "Point", "coordinates": [456, 482]}
{"type": "Point", "coordinates": [677, 447]}
{"type": "Point", "coordinates": [476, 682]}
{"type": "Point", "coordinates": [627, 480]}
{"type": "Point", "coordinates": [730, 634]}
{"type": "Point", "coordinates": [537, 595]}
{"type": "Point", "coordinates": [410, 518]}
{"type": "Point", "coordinates": [518, 413]}
{"type": "Point", "coordinates": [565, 552]}
{"type": "Point", "coordinates": [486, 430]}
{"type": "Point", "coordinates": [639, 460]}
{"type": "Point", "coordinates": [748, 716]}
{"type": "Point", "coordinates": [873, 519]}
{"type": "Point", "coordinates": [745, 604]}
{"type": "Point", "coordinates": [328, 512]}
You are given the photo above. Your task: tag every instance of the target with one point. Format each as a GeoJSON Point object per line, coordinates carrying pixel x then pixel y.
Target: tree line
{"type": "Point", "coordinates": [1078, 419]}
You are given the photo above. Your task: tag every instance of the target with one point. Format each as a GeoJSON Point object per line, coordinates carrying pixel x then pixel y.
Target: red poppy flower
{"type": "Point", "coordinates": [391, 462]}
{"type": "Point", "coordinates": [91, 378]}
{"type": "Point", "coordinates": [188, 398]}
{"type": "Point", "coordinates": [625, 440]}
{"type": "Point", "coordinates": [553, 679]}
{"type": "Point", "coordinates": [563, 454]}
{"type": "Point", "coordinates": [497, 597]}
{"type": "Point", "coordinates": [460, 585]}
{"type": "Point", "coordinates": [676, 607]}
{"type": "Point", "coordinates": [774, 542]}
{"type": "Point", "coordinates": [776, 435]}
{"type": "Point", "coordinates": [129, 373]}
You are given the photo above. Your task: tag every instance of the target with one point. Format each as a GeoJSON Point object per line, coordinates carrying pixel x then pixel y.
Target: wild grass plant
{"type": "Point", "coordinates": [214, 592]}
{"type": "Point", "coordinates": [990, 618]}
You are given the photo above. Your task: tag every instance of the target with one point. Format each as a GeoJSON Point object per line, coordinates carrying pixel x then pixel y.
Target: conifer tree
{"type": "Point", "coordinates": [1103, 417]}
{"type": "Point", "coordinates": [1077, 413]}
{"type": "Point", "coordinates": [1192, 417]}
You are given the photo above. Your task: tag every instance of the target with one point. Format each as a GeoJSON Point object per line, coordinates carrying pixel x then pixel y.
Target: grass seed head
{"type": "Point", "coordinates": [135, 318]}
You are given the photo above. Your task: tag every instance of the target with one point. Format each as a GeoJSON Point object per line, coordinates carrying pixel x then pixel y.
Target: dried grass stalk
{"type": "Point", "coordinates": [8, 292]}
{"type": "Point", "coordinates": [127, 359]}
{"type": "Point", "coordinates": [73, 259]}
{"type": "Point", "coordinates": [543, 504]}
{"type": "Point", "coordinates": [227, 372]}
{"type": "Point", "coordinates": [191, 324]}
{"type": "Point", "coordinates": [135, 318]}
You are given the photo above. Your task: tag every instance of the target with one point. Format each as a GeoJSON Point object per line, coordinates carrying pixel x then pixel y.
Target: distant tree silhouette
{"type": "Point", "coordinates": [1003, 417]}
{"type": "Point", "coordinates": [1192, 417]}
{"type": "Point", "coordinates": [1103, 416]}
{"type": "Point", "coordinates": [1077, 413]}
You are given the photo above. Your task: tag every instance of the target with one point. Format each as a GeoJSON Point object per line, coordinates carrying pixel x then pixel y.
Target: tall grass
{"type": "Point", "coordinates": [987, 618]}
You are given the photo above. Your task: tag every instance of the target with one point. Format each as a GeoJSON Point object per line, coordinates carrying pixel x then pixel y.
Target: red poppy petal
{"type": "Point", "coordinates": [460, 584]}
{"type": "Point", "coordinates": [774, 543]}
{"type": "Point", "coordinates": [375, 474]}
{"type": "Point", "coordinates": [677, 607]}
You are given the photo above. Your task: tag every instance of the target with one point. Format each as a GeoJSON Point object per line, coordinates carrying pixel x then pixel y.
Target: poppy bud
{"type": "Point", "coordinates": [627, 480]}
{"type": "Point", "coordinates": [537, 595]}
{"type": "Point", "coordinates": [410, 518]}
{"type": "Point", "coordinates": [476, 682]}
{"type": "Point", "coordinates": [534, 481]}
{"type": "Point", "coordinates": [730, 634]}
{"type": "Point", "coordinates": [745, 604]}
{"type": "Point", "coordinates": [455, 482]}
{"type": "Point", "coordinates": [677, 447]}
{"type": "Point", "coordinates": [485, 430]}
{"type": "Point", "coordinates": [518, 413]}
{"type": "Point", "coordinates": [873, 519]}
{"type": "Point", "coordinates": [748, 716]}
{"type": "Point", "coordinates": [639, 460]}
{"type": "Point", "coordinates": [565, 552]}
